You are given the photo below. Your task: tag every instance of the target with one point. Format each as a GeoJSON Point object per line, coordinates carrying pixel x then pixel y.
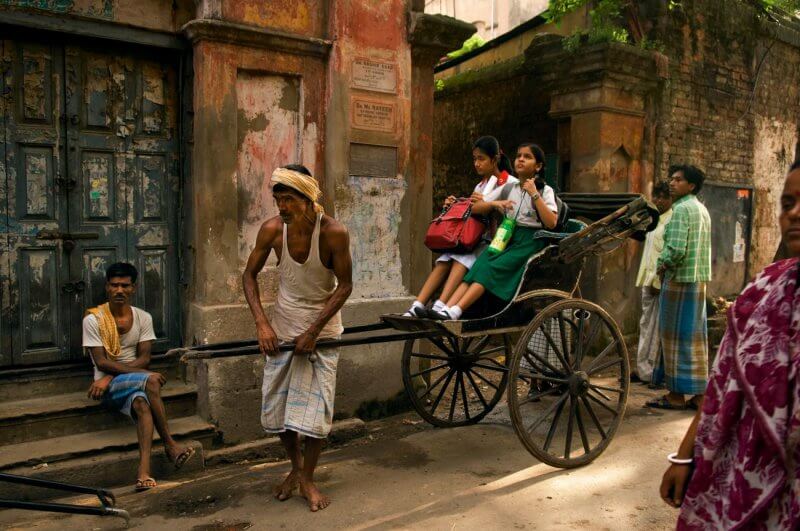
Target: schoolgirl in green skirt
{"type": "Point", "coordinates": [500, 274]}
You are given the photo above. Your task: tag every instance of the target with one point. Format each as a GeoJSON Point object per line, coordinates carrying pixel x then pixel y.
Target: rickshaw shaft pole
{"type": "Point", "coordinates": [326, 343]}
{"type": "Point", "coordinates": [63, 508]}
{"type": "Point", "coordinates": [35, 482]}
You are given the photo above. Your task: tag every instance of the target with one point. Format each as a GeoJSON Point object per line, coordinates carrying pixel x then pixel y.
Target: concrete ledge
{"type": "Point", "coordinates": [107, 470]}
{"type": "Point", "coordinates": [249, 35]}
{"type": "Point", "coordinates": [271, 448]}
{"type": "Point", "coordinates": [233, 322]}
{"type": "Point", "coordinates": [229, 389]}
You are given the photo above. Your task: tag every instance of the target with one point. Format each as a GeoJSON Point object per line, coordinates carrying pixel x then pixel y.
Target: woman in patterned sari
{"type": "Point", "coordinates": [739, 463]}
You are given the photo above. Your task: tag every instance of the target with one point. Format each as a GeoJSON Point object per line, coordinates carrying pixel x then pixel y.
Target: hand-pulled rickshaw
{"type": "Point", "coordinates": [561, 360]}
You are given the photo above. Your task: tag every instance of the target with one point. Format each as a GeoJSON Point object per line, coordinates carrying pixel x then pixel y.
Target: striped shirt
{"type": "Point", "coordinates": [687, 242]}
{"type": "Point", "coordinates": [653, 246]}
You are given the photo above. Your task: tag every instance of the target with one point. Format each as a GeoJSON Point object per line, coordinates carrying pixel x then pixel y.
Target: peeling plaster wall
{"type": "Point", "coordinates": [370, 209]}
{"type": "Point", "coordinates": [243, 130]}
{"type": "Point", "coordinates": [148, 14]}
{"type": "Point", "coordinates": [774, 151]}
{"type": "Point", "coordinates": [732, 106]}
{"type": "Point", "coordinates": [308, 17]}
{"type": "Point", "coordinates": [371, 206]}
{"type": "Point", "coordinates": [268, 128]}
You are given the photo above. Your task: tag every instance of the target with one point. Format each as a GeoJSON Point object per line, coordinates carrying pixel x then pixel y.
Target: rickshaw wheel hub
{"type": "Point", "coordinates": [578, 383]}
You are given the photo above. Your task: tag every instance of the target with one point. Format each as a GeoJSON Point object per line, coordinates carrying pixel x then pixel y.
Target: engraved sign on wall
{"type": "Point", "coordinates": [374, 75]}
{"type": "Point", "coordinates": [367, 160]}
{"type": "Point", "coordinates": [373, 115]}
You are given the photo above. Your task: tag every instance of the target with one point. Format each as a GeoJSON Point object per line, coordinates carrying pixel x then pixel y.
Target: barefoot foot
{"type": "Point", "coordinates": [178, 455]}
{"type": "Point", "coordinates": [285, 490]}
{"type": "Point", "coordinates": [316, 500]}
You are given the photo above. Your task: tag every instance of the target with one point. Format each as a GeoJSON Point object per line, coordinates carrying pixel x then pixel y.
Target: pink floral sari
{"type": "Point", "coordinates": [746, 452]}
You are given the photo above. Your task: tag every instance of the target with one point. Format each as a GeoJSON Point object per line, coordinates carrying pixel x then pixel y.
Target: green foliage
{"type": "Point", "coordinates": [605, 26]}
{"type": "Point", "coordinates": [789, 6]}
{"type": "Point", "coordinates": [608, 24]}
{"type": "Point", "coordinates": [768, 6]}
{"type": "Point", "coordinates": [470, 44]}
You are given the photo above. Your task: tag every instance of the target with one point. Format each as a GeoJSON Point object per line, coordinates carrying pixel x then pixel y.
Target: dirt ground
{"type": "Point", "coordinates": [408, 475]}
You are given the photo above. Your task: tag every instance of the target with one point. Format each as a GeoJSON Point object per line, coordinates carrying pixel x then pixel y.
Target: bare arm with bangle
{"type": "Point", "coordinates": [676, 478]}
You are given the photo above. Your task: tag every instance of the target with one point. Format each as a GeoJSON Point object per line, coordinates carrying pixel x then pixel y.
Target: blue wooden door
{"type": "Point", "coordinates": [91, 178]}
{"type": "Point", "coordinates": [37, 311]}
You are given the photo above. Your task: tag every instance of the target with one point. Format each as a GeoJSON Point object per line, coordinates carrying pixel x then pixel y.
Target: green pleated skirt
{"type": "Point", "coordinates": [500, 274]}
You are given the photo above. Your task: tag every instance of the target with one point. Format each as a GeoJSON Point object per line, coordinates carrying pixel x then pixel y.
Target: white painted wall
{"type": "Point", "coordinates": [508, 14]}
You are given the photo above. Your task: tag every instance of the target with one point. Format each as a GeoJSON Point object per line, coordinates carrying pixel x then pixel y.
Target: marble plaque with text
{"type": "Point", "coordinates": [374, 75]}
{"type": "Point", "coordinates": [373, 115]}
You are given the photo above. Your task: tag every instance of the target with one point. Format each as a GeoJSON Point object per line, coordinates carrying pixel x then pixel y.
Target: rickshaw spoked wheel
{"type": "Point", "coordinates": [454, 381]}
{"type": "Point", "coordinates": [575, 354]}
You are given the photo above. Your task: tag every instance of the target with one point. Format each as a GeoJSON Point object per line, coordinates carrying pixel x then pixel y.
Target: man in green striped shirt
{"type": "Point", "coordinates": [685, 265]}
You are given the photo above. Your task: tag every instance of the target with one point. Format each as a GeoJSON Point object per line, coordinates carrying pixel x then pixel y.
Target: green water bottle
{"type": "Point", "coordinates": [502, 236]}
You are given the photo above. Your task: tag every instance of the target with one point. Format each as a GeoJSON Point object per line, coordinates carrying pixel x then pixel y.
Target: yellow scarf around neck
{"type": "Point", "coordinates": [109, 334]}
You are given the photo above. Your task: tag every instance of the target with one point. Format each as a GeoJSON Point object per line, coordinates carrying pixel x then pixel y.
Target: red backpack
{"type": "Point", "coordinates": [455, 230]}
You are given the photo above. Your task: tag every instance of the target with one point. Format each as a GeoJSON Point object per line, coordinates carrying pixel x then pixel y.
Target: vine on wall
{"type": "Point", "coordinates": [615, 20]}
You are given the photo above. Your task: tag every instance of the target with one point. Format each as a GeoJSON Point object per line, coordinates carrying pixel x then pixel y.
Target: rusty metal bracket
{"type": "Point", "coordinates": [74, 287]}
{"type": "Point", "coordinates": [46, 234]}
{"type": "Point", "coordinates": [66, 185]}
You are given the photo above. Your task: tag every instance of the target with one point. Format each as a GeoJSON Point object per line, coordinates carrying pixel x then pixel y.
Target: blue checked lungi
{"type": "Point", "coordinates": [124, 389]}
{"type": "Point", "coordinates": [684, 337]}
{"type": "Point", "coordinates": [298, 395]}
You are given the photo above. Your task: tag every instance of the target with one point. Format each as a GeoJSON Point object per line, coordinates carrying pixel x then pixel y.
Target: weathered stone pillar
{"type": "Point", "coordinates": [430, 36]}
{"type": "Point", "coordinates": [601, 112]}
{"type": "Point", "coordinates": [247, 119]}
{"type": "Point", "coordinates": [330, 85]}
{"type": "Point", "coordinates": [599, 96]}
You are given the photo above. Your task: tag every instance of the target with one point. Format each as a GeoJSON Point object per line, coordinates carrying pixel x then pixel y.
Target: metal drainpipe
{"type": "Point", "coordinates": [493, 19]}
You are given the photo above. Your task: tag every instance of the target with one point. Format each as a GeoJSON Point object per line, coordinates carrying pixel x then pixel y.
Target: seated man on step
{"type": "Point", "coordinates": [119, 337]}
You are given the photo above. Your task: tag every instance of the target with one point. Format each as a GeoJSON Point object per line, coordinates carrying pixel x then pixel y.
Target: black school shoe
{"type": "Point", "coordinates": [438, 316]}
{"type": "Point", "coordinates": [419, 313]}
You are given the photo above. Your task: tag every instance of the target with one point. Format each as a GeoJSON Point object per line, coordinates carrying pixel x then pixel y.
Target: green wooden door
{"type": "Point", "coordinates": [90, 179]}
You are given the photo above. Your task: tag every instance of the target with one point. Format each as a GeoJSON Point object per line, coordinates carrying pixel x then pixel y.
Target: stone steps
{"type": "Point", "coordinates": [56, 449]}
{"type": "Point", "coordinates": [50, 429]}
{"type": "Point", "coordinates": [103, 469]}
{"type": "Point", "coordinates": [35, 382]}
{"type": "Point", "coordinates": [52, 416]}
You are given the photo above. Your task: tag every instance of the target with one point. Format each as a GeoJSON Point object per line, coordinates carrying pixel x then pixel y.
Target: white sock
{"type": "Point", "coordinates": [454, 312]}
{"type": "Point", "coordinates": [439, 306]}
{"type": "Point", "coordinates": [415, 305]}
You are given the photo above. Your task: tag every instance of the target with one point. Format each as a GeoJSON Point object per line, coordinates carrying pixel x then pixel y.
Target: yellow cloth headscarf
{"type": "Point", "coordinates": [109, 334]}
{"type": "Point", "coordinates": [304, 184]}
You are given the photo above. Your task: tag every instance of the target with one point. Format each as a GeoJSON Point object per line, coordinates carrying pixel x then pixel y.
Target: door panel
{"type": "Point", "coordinates": [5, 309]}
{"type": "Point", "coordinates": [89, 177]}
{"type": "Point", "coordinates": [95, 158]}
{"type": "Point", "coordinates": [34, 165]}
{"type": "Point", "coordinates": [153, 194]}
{"type": "Point", "coordinates": [125, 136]}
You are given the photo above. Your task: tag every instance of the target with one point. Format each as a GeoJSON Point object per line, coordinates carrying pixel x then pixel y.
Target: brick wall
{"type": "Point", "coordinates": [732, 104]}
{"type": "Point", "coordinates": [725, 96]}
{"type": "Point", "coordinates": [501, 101]}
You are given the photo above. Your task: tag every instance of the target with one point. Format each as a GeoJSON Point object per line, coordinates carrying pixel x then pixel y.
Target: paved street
{"type": "Point", "coordinates": [407, 475]}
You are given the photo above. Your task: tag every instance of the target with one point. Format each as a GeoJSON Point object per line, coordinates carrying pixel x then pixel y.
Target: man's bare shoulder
{"type": "Point", "coordinates": [331, 227]}
{"type": "Point", "coordinates": [269, 230]}
{"type": "Point", "coordinates": [272, 224]}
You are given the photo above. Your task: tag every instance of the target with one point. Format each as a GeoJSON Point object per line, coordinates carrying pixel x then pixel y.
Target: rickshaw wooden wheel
{"type": "Point", "coordinates": [454, 381]}
{"type": "Point", "coordinates": [568, 383]}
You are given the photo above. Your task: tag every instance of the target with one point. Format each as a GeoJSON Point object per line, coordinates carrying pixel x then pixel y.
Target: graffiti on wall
{"type": "Point", "coordinates": [370, 209]}
{"type": "Point", "coordinates": [93, 8]}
